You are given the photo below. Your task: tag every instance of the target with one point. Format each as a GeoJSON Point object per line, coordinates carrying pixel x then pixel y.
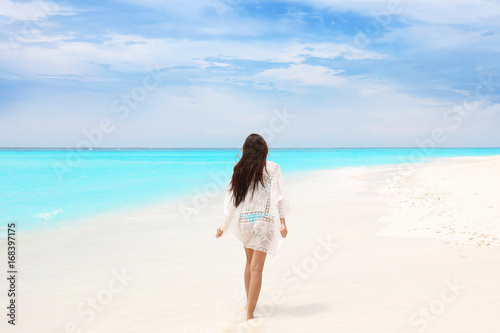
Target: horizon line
{"type": "Point", "coordinates": [228, 148]}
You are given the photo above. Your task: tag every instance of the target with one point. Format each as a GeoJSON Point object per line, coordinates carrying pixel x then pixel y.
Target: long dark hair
{"type": "Point", "coordinates": [249, 171]}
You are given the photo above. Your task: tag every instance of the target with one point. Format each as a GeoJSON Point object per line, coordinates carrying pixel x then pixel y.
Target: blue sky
{"type": "Point", "coordinates": [207, 73]}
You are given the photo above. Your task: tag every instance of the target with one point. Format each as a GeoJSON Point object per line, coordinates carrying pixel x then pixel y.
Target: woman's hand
{"type": "Point", "coordinates": [219, 232]}
{"type": "Point", "coordinates": [283, 230]}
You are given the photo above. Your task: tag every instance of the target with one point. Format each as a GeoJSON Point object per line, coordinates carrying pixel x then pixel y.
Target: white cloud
{"type": "Point", "coordinates": [432, 37]}
{"type": "Point", "coordinates": [334, 103]}
{"type": "Point", "coordinates": [180, 6]}
{"type": "Point", "coordinates": [185, 116]}
{"type": "Point", "coordinates": [134, 54]}
{"type": "Point", "coordinates": [300, 75]}
{"type": "Point", "coordinates": [48, 216]}
{"type": "Point", "coordinates": [431, 11]}
{"type": "Point", "coordinates": [492, 110]}
{"type": "Point", "coordinates": [34, 11]}
{"type": "Point", "coordinates": [475, 12]}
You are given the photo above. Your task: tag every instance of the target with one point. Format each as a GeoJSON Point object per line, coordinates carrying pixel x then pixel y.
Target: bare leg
{"type": "Point", "coordinates": [249, 254]}
{"type": "Point", "coordinates": [256, 267]}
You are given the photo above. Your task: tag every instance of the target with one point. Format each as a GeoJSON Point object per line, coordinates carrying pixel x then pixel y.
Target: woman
{"type": "Point", "coordinates": [255, 207]}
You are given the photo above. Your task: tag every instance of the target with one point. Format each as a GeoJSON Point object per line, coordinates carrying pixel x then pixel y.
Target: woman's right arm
{"type": "Point", "coordinates": [228, 213]}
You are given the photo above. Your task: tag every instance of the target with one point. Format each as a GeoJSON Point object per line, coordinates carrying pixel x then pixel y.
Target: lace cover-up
{"type": "Point", "coordinates": [256, 221]}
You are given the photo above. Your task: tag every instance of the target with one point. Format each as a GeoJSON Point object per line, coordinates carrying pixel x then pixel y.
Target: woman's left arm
{"type": "Point", "coordinates": [283, 229]}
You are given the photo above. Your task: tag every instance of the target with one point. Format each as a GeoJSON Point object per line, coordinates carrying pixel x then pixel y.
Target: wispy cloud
{"type": "Point", "coordinates": [48, 216]}
{"type": "Point", "coordinates": [31, 11]}
{"type": "Point", "coordinates": [239, 58]}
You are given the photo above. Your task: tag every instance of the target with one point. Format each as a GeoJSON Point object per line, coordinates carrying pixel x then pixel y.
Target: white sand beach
{"type": "Point", "coordinates": [375, 249]}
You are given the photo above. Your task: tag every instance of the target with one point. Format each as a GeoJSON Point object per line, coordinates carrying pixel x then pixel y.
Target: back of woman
{"type": "Point", "coordinates": [255, 208]}
{"type": "Point", "coordinates": [258, 218]}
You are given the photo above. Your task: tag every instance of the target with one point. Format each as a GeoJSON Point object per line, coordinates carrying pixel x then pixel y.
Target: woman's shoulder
{"type": "Point", "coordinates": [272, 167]}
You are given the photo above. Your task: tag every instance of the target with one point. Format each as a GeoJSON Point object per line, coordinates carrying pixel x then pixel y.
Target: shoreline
{"type": "Point", "coordinates": [341, 267]}
{"type": "Point", "coordinates": [187, 199]}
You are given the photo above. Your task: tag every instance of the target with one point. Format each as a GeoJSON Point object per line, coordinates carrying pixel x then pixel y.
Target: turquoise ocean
{"type": "Point", "coordinates": [42, 188]}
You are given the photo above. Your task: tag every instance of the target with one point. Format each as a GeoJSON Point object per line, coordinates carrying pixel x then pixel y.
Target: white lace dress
{"type": "Point", "coordinates": [256, 221]}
